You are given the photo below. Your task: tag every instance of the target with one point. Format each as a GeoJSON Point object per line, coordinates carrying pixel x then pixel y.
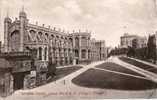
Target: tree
{"type": "Point", "coordinates": [140, 53]}
{"type": "Point", "coordinates": [151, 48]}
{"type": "Point", "coordinates": [131, 52]}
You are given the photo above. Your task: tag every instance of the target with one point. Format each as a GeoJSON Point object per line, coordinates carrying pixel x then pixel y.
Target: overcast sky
{"type": "Point", "coordinates": [107, 19]}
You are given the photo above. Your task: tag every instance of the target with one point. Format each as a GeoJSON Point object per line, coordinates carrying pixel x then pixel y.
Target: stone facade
{"type": "Point", "coordinates": [139, 42]}
{"type": "Point", "coordinates": [81, 47]}
{"type": "Point", "coordinates": [98, 50]}
{"type": "Point", "coordinates": [34, 47]}
{"type": "Point", "coordinates": [15, 67]}
{"type": "Point", "coordinates": [126, 40]}
{"type": "Point", "coordinates": [133, 41]}
{"type": "Point", "coordinates": [50, 44]}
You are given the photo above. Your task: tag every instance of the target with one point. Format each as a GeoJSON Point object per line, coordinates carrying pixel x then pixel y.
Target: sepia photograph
{"type": "Point", "coordinates": [78, 49]}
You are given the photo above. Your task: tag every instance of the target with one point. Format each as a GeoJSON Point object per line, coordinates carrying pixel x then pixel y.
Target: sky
{"type": "Point", "coordinates": [105, 19]}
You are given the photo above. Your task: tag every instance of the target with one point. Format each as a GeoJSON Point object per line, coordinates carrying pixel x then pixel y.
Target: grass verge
{"type": "Point", "coordinates": [94, 78]}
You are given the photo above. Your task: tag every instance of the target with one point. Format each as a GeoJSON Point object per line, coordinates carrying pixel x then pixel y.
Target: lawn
{"type": "Point", "coordinates": [115, 67]}
{"type": "Point", "coordinates": [94, 78]}
{"type": "Point", "coordinates": [139, 64]}
{"type": "Point", "coordinates": [62, 72]}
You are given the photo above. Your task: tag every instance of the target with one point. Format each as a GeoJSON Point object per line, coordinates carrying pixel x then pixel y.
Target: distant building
{"type": "Point", "coordinates": [100, 45]}
{"type": "Point", "coordinates": [94, 50]}
{"type": "Point", "coordinates": [99, 50]}
{"type": "Point", "coordinates": [139, 42]}
{"type": "Point", "coordinates": [128, 40]}
{"type": "Point", "coordinates": [81, 47]}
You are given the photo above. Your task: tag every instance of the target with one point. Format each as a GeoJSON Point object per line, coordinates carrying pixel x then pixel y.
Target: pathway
{"type": "Point", "coordinates": [65, 89]}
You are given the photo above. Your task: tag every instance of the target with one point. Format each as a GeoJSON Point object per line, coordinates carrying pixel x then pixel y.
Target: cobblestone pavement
{"type": "Point", "coordinates": [65, 89]}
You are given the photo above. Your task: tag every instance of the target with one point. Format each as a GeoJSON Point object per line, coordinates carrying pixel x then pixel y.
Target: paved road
{"type": "Point", "coordinates": [65, 89]}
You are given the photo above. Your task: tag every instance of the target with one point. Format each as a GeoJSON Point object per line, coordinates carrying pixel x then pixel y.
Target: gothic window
{"type": "Point", "coordinates": [77, 41]}
{"type": "Point", "coordinates": [65, 42]}
{"type": "Point", "coordinates": [59, 53]}
{"type": "Point", "coordinates": [69, 53]}
{"type": "Point", "coordinates": [54, 54]}
{"type": "Point", "coordinates": [46, 36]}
{"type": "Point", "coordinates": [33, 34]}
{"type": "Point", "coordinates": [71, 41]}
{"type": "Point", "coordinates": [40, 53]}
{"type": "Point", "coordinates": [65, 54]}
{"type": "Point", "coordinates": [15, 40]}
{"type": "Point", "coordinates": [45, 56]}
{"type": "Point", "coordinates": [89, 53]}
{"type": "Point", "coordinates": [83, 54]}
{"type": "Point", "coordinates": [40, 36]}
{"type": "Point", "coordinates": [52, 39]}
{"type": "Point", "coordinates": [57, 40]}
{"type": "Point", "coordinates": [76, 53]}
{"type": "Point", "coordinates": [62, 42]}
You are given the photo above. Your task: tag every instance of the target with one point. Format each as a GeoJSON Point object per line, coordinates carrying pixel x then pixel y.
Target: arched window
{"type": "Point", "coordinates": [46, 36]}
{"type": "Point", "coordinates": [76, 53]}
{"type": "Point", "coordinates": [40, 53]}
{"type": "Point", "coordinates": [56, 40]}
{"type": "Point", "coordinates": [89, 54]}
{"type": "Point", "coordinates": [62, 41]}
{"type": "Point", "coordinates": [40, 33]}
{"type": "Point", "coordinates": [52, 37]}
{"type": "Point", "coordinates": [83, 54]}
{"type": "Point", "coordinates": [76, 41]}
{"type": "Point", "coordinates": [15, 40]}
{"type": "Point", "coordinates": [45, 56]}
{"type": "Point", "coordinates": [39, 37]}
{"type": "Point", "coordinates": [32, 33]}
{"type": "Point", "coordinates": [71, 41]}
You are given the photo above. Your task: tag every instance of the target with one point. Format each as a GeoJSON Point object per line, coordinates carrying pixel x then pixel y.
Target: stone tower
{"type": "Point", "coordinates": [23, 22]}
{"type": "Point", "coordinates": [7, 23]}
